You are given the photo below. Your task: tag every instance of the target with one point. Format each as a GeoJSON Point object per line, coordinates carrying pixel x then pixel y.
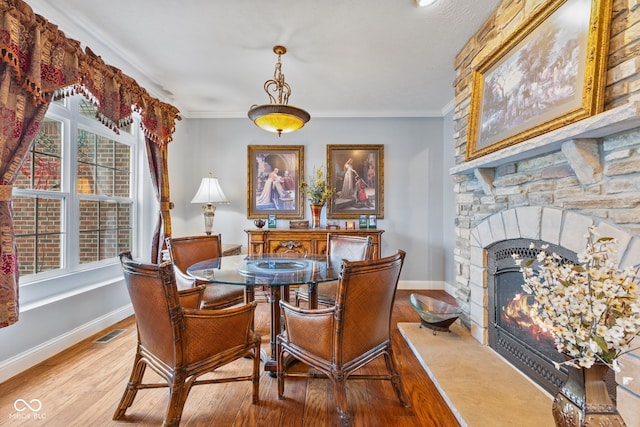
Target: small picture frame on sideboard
{"type": "Point", "coordinates": [373, 222]}
{"type": "Point", "coordinates": [271, 222]}
{"type": "Point", "coordinates": [350, 225]}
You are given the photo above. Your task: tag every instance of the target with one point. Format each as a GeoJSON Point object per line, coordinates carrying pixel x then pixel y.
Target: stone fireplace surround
{"type": "Point", "coordinates": [580, 146]}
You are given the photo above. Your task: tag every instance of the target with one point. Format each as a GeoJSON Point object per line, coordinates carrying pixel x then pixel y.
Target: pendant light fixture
{"type": "Point", "coordinates": [277, 116]}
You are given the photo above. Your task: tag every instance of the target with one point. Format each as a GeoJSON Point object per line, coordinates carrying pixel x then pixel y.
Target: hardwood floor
{"type": "Point", "coordinates": [82, 386]}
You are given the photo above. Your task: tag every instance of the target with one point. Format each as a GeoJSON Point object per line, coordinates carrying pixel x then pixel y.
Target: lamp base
{"type": "Point", "coordinates": [208, 211]}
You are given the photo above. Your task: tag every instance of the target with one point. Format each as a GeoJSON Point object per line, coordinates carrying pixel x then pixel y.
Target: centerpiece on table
{"type": "Point", "coordinates": [592, 310]}
{"type": "Point", "coordinates": [318, 192]}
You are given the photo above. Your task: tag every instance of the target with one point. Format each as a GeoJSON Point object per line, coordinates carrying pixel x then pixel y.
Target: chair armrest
{"type": "Point", "coordinates": [311, 330]}
{"type": "Point", "coordinates": [191, 298]}
{"type": "Point", "coordinates": [209, 332]}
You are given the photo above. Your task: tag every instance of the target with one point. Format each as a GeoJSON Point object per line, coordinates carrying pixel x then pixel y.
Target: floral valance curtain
{"type": "Point", "coordinates": [38, 63]}
{"type": "Point", "coordinates": [48, 65]}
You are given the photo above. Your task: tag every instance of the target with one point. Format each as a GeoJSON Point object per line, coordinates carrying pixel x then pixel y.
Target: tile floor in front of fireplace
{"type": "Point", "coordinates": [480, 387]}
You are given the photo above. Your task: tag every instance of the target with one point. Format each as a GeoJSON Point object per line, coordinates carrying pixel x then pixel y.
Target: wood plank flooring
{"type": "Point", "coordinates": [82, 386]}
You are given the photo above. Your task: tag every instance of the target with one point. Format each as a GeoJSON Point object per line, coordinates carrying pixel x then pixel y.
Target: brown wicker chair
{"type": "Point", "coordinates": [351, 248]}
{"type": "Point", "coordinates": [182, 344]}
{"type": "Point", "coordinates": [186, 251]}
{"type": "Point", "coordinates": [342, 339]}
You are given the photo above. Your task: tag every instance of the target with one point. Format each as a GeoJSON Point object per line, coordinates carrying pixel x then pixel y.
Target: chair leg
{"type": "Point", "coordinates": [280, 370]}
{"type": "Point", "coordinates": [256, 374]}
{"type": "Point", "coordinates": [129, 395]}
{"type": "Point", "coordinates": [179, 390]}
{"type": "Point", "coordinates": [396, 380]}
{"type": "Point", "coordinates": [340, 394]}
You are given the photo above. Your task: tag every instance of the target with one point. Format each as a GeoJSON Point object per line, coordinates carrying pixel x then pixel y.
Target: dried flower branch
{"type": "Point", "coordinates": [317, 189]}
{"type": "Point", "coordinates": [592, 308]}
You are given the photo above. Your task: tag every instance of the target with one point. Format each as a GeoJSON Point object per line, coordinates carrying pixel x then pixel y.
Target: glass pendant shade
{"type": "Point", "coordinates": [277, 116]}
{"type": "Point", "coordinates": [209, 193]}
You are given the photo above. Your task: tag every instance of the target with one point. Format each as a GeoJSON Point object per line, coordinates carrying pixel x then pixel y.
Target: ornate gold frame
{"type": "Point", "coordinates": [285, 158]}
{"type": "Point", "coordinates": [594, 48]}
{"type": "Point", "coordinates": [337, 155]}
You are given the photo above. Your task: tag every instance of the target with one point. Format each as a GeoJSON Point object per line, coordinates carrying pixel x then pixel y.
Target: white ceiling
{"type": "Point", "coordinates": [346, 58]}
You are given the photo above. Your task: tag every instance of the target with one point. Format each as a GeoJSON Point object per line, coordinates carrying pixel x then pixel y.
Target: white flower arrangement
{"type": "Point", "coordinates": [592, 308]}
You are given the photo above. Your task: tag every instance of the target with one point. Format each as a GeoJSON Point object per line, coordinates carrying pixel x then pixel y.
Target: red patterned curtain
{"type": "Point", "coordinates": [158, 164]}
{"type": "Point", "coordinates": [20, 123]}
{"type": "Point", "coordinates": [37, 64]}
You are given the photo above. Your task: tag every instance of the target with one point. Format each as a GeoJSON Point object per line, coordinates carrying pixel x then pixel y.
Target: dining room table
{"type": "Point", "coordinates": [276, 273]}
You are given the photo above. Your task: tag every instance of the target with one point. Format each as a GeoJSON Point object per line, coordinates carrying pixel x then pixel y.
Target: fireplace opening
{"type": "Point", "coordinates": [513, 331]}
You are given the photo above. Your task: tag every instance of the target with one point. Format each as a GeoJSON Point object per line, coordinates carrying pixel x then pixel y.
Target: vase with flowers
{"type": "Point", "coordinates": [318, 192]}
{"type": "Point", "coordinates": [592, 310]}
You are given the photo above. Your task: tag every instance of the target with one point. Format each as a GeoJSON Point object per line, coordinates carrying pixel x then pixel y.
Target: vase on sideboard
{"type": "Point", "coordinates": [315, 215]}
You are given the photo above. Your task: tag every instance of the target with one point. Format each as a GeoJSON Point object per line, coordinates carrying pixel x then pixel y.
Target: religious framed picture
{"type": "Point", "coordinates": [549, 73]}
{"type": "Point", "coordinates": [273, 181]}
{"type": "Point", "coordinates": [356, 172]}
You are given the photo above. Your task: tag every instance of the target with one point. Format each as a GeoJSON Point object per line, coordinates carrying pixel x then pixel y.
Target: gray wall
{"type": "Point", "coordinates": [413, 187]}
{"type": "Point", "coordinates": [449, 203]}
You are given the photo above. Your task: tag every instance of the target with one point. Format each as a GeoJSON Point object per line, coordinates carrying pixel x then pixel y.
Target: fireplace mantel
{"type": "Point", "coordinates": [580, 134]}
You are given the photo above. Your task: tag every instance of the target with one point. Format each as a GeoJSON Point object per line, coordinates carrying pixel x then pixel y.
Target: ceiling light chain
{"type": "Point", "coordinates": [278, 116]}
{"type": "Point", "coordinates": [278, 85]}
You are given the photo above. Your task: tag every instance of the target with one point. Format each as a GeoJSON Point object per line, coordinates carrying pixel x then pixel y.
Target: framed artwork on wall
{"type": "Point", "coordinates": [273, 181]}
{"type": "Point", "coordinates": [549, 73]}
{"type": "Point", "coordinates": [356, 172]}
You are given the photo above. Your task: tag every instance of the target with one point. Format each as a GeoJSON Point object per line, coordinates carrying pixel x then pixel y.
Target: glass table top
{"type": "Point", "coordinates": [268, 269]}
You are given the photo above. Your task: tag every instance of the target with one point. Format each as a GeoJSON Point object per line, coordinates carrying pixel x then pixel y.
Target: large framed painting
{"type": "Point", "coordinates": [356, 172]}
{"type": "Point", "coordinates": [273, 181]}
{"type": "Point", "coordinates": [549, 73]}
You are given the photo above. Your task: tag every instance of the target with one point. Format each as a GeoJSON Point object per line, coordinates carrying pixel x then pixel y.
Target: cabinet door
{"type": "Point", "coordinates": [289, 247]}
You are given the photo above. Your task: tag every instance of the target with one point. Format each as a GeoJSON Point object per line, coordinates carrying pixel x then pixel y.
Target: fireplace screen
{"type": "Point", "coordinates": [513, 331]}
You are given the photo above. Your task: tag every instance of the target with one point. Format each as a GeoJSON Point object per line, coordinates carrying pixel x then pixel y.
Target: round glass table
{"type": "Point", "coordinates": [276, 272]}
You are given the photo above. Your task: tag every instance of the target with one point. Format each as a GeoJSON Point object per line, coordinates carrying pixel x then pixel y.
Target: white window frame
{"type": "Point", "coordinates": [75, 278]}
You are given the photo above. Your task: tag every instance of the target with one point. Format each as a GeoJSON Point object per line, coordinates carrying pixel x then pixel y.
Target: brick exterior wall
{"type": "Point", "coordinates": [548, 180]}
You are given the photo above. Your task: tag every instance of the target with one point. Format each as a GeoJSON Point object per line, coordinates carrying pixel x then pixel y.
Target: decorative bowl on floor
{"type": "Point", "coordinates": [435, 314]}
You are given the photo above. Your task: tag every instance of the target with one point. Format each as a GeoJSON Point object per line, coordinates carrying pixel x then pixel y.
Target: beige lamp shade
{"type": "Point", "coordinates": [209, 193]}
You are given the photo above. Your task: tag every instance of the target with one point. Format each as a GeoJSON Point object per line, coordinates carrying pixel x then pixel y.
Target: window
{"type": "Point", "coordinates": [74, 200]}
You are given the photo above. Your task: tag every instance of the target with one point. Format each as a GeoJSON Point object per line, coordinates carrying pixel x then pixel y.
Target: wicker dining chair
{"type": "Point", "coordinates": [181, 344]}
{"type": "Point", "coordinates": [351, 248]}
{"type": "Point", "coordinates": [186, 251]}
{"type": "Point", "coordinates": [339, 340]}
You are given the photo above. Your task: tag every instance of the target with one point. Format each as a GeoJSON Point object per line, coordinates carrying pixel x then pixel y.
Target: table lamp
{"type": "Point", "coordinates": [209, 193]}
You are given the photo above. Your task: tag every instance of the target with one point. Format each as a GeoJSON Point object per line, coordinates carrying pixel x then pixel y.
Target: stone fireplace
{"type": "Point", "coordinates": [553, 186]}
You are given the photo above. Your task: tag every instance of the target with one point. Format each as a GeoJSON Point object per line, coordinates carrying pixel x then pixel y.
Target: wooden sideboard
{"type": "Point", "coordinates": [303, 241]}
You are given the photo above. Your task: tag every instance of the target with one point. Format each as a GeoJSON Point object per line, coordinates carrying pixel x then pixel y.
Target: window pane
{"type": "Point", "coordinates": [38, 228]}
{"type": "Point", "coordinates": [86, 147]}
{"type": "Point", "coordinates": [108, 244]}
{"type": "Point", "coordinates": [124, 240]}
{"type": "Point", "coordinates": [105, 229]}
{"type": "Point", "coordinates": [87, 109]}
{"type": "Point", "coordinates": [26, 254]}
{"type": "Point", "coordinates": [103, 166]}
{"type": "Point", "coordinates": [104, 181]}
{"type": "Point", "coordinates": [41, 170]}
{"type": "Point", "coordinates": [88, 246]}
{"type": "Point", "coordinates": [88, 215]}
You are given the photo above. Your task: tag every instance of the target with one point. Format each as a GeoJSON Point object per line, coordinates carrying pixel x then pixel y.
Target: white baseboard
{"type": "Point", "coordinates": [35, 355]}
{"type": "Point", "coordinates": [421, 285]}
